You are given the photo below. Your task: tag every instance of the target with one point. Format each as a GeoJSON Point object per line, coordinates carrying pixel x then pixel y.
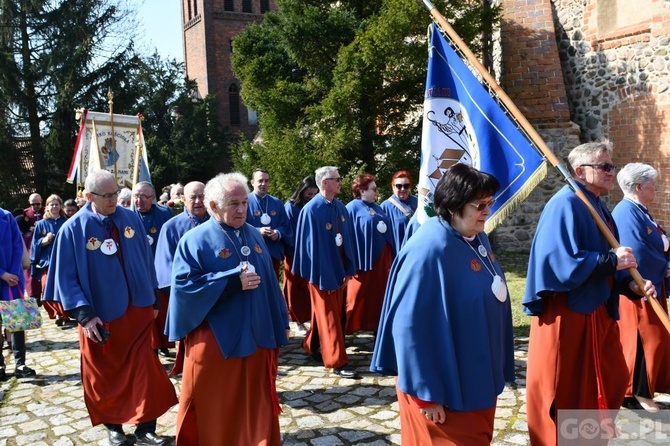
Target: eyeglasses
{"type": "Point", "coordinates": [483, 205]}
{"type": "Point", "coordinates": [402, 186]}
{"type": "Point", "coordinates": [141, 196]}
{"type": "Point", "coordinates": [338, 179]}
{"type": "Point", "coordinates": [605, 167]}
{"type": "Point", "coordinates": [107, 196]}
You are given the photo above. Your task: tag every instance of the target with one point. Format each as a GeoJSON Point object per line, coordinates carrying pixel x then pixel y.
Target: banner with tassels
{"type": "Point", "coordinates": [463, 123]}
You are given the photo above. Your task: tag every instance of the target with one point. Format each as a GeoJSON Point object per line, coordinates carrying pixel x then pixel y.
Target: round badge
{"type": "Point", "coordinates": [265, 219]}
{"type": "Point", "coordinates": [381, 227]}
{"type": "Point", "coordinates": [338, 239]}
{"type": "Point", "coordinates": [482, 250]}
{"type": "Point", "coordinates": [108, 247]}
{"type": "Point", "coordinates": [245, 250]}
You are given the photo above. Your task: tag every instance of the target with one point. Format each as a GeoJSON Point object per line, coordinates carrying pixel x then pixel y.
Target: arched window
{"type": "Point", "coordinates": [195, 8]}
{"type": "Point", "coordinates": [229, 5]}
{"type": "Point", "coordinates": [188, 6]}
{"type": "Point", "coordinates": [265, 6]}
{"type": "Point", "coordinates": [234, 104]}
{"type": "Point", "coordinates": [246, 6]}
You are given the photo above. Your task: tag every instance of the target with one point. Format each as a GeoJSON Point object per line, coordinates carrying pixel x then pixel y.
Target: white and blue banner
{"type": "Point", "coordinates": [463, 123]}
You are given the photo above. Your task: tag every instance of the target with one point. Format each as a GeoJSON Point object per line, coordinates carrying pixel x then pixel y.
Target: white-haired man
{"type": "Point", "coordinates": [227, 311]}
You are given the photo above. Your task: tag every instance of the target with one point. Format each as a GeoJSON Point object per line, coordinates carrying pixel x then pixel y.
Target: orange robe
{"type": "Point", "coordinates": [296, 292]}
{"type": "Point", "coordinates": [123, 380]}
{"type": "Point", "coordinates": [326, 327]}
{"type": "Point", "coordinates": [247, 383]}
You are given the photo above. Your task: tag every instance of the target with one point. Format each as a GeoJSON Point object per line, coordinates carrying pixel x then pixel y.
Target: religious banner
{"type": "Point", "coordinates": [111, 142]}
{"type": "Point", "coordinates": [462, 123]}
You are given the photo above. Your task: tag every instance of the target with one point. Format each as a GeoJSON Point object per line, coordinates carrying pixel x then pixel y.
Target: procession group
{"type": "Point", "coordinates": [205, 283]}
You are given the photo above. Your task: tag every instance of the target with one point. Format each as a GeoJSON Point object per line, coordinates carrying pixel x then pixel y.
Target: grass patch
{"type": "Point", "coordinates": [515, 265]}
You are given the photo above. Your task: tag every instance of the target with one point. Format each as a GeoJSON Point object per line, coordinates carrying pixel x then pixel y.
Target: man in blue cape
{"type": "Point", "coordinates": [102, 273]}
{"type": "Point", "coordinates": [324, 255]}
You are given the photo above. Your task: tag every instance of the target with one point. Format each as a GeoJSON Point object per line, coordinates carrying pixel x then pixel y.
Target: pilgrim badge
{"type": "Point", "coordinates": [273, 212]}
{"type": "Point", "coordinates": [265, 219]}
{"type": "Point", "coordinates": [93, 243]}
{"type": "Point", "coordinates": [258, 248]}
{"type": "Point", "coordinates": [328, 226]}
{"type": "Point", "coordinates": [338, 239]}
{"type": "Point", "coordinates": [475, 265]}
{"type": "Point", "coordinates": [342, 217]}
{"type": "Point", "coordinates": [257, 213]}
{"type": "Point", "coordinates": [245, 251]}
{"type": "Point", "coordinates": [152, 230]}
{"type": "Point", "coordinates": [381, 227]}
{"type": "Point", "coordinates": [371, 212]}
{"type": "Point", "coordinates": [128, 232]}
{"type": "Point", "coordinates": [108, 247]}
{"type": "Point", "coordinates": [224, 253]}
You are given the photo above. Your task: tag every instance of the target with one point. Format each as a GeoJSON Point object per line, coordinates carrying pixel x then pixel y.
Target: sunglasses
{"type": "Point", "coordinates": [605, 167]}
{"type": "Point", "coordinates": [483, 205]}
{"type": "Point", "coordinates": [402, 186]}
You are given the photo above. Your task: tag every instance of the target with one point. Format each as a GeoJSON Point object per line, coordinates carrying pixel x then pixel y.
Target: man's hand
{"type": "Point", "coordinates": [91, 329]}
{"type": "Point", "coordinates": [625, 258]}
{"type": "Point", "coordinates": [435, 413]}
{"type": "Point", "coordinates": [250, 281]}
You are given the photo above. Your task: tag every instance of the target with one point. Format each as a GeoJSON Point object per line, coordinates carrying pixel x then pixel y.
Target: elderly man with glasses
{"type": "Point", "coordinates": [153, 216]}
{"type": "Point", "coordinates": [325, 256]}
{"type": "Point", "coordinates": [102, 272]}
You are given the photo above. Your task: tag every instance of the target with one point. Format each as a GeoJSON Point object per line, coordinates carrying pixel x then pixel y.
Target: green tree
{"type": "Point", "coordinates": [55, 55]}
{"type": "Point", "coordinates": [341, 83]}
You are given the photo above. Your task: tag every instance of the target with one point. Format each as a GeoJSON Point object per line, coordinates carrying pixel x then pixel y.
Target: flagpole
{"type": "Point", "coordinates": [110, 101]}
{"type": "Point", "coordinates": [542, 146]}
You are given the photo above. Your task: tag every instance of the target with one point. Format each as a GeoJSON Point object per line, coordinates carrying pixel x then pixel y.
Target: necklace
{"type": "Point", "coordinates": [244, 251]}
{"type": "Point", "coordinates": [498, 286]}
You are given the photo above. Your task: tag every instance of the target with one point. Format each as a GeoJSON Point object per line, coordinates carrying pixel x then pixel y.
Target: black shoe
{"type": "Point", "coordinates": [632, 403]}
{"type": "Point", "coordinates": [116, 438]}
{"type": "Point", "coordinates": [151, 439]}
{"type": "Point", "coordinates": [3, 374]}
{"type": "Point", "coordinates": [24, 372]}
{"type": "Point", "coordinates": [59, 322]}
{"type": "Point", "coordinates": [346, 371]}
{"type": "Point", "coordinates": [164, 352]}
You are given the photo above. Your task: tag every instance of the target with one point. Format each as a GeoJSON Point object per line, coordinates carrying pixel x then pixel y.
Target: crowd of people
{"type": "Point", "coordinates": [195, 274]}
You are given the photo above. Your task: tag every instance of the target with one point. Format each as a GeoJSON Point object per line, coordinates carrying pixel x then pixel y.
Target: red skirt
{"type": "Point", "coordinates": [575, 361]}
{"type": "Point", "coordinates": [123, 380]}
{"type": "Point", "coordinates": [226, 401]}
{"type": "Point", "coordinates": [296, 292]}
{"type": "Point", "coordinates": [459, 428]}
{"type": "Point", "coordinates": [327, 322]}
{"type": "Point", "coordinates": [638, 316]}
{"type": "Point", "coordinates": [365, 294]}
{"type": "Point", "coordinates": [159, 339]}
{"type": "Point", "coordinates": [54, 309]}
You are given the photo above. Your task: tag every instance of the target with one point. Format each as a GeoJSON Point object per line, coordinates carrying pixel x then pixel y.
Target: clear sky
{"type": "Point", "coordinates": [160, 21]}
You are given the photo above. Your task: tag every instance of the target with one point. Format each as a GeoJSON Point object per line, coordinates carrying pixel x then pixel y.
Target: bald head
{"type": "Point", "coordinates": [194, 198]}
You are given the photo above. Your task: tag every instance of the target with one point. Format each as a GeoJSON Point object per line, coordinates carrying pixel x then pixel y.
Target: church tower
{"type": "Point", "coordinates": [208, 28]}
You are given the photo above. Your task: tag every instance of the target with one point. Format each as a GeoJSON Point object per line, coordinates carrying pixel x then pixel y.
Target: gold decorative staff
{"type": "Point", "coordinates": [110, 101]}
{"type": "Point", "coordinates": [542, 146]}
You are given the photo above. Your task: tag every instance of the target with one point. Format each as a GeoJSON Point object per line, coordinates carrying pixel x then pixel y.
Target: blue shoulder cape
{"type": "Point", "coordinates": [442, 331]}
{"type": "Point", "coordinates": [278, 220]}
{"type": "Point", "coordinates": [317, 258]}
{"type": "Point", "coordinates": [369, 242]}
{"type": "Point", "coordinates": [398, 218]}
{"type": "Point", "coordinates": [11, 252]}
{"type": "Point", "coordinates": [81, 274]}
{"type": "Point", "coordinates": [205, 260]}
{"type": "Point", "coordinates": [39, 255]}
{"type": "Point", "coordinates": [153, 221]}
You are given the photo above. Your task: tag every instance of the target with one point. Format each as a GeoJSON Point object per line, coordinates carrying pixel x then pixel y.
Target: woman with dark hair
{"type": "Point", "coordinates": [45, 233]}
{"type": "Point", "coordinates": [296, 291]}
{"type": "Point", "coordinates": [400, 206]}
{"type": "Point", "coordinates": [374, 250]}
{"type": "Point", "coordinates": [446, 325]}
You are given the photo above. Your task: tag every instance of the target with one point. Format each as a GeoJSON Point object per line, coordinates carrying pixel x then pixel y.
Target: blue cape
{"type": "Point", "coordinates": [398, 218]}
{"type": "Point", "coordinates": [153, 221]}
{"type": "Point", "coordinates": [292, 212]}
{"type": "Point", "coordinates": [317, 258]}
{"type": "Point", "coordinates": [166, 245]}
{"type": "Point", "coordinates": [80, 274]}
{"type": "Point", "coordinates": [565, 253]}
{"type": "Point", "coordinates": [11, 251]}
{"type": "Point", "coordinates": [278, 220]}
{"type": "Point", "coordinates": [442, 331]}
{"type": "Point", "coordinates": [241, 322]}
{"type": "Point", "coordinates": [39, 255]}
{"type": "Point", "coordinates": [639, 233]}
{"type": "Point", "coordinates": [369, 242]}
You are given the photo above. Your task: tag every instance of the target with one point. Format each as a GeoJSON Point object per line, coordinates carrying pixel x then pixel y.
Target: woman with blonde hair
{"type": "Point", "coordinates": [45, 233]}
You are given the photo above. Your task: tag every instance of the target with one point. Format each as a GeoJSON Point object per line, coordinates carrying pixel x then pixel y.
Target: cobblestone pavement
{"type": "Point", "coordinates": [319, 408]}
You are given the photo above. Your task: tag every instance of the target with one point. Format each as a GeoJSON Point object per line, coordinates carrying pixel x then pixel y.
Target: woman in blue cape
{"type": "Point", "coordinates": [645, 341]}
{"type": "Point", "coordinates": [400, 207]}
{"type": "Point", "coordinates": [375, 250]}
{"type": "Point", "coordinates": [446, 326]}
